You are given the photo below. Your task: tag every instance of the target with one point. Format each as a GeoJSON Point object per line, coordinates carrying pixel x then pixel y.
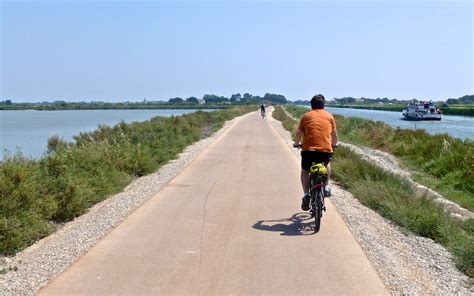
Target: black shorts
{"type": "Point", "coordinates": [308, 158]}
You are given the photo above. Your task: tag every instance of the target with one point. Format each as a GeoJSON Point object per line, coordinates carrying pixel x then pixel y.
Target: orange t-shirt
{"type": "Point", "coordinates": [317, 127]}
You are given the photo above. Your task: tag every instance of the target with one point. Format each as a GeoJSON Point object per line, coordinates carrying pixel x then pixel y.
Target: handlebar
{"type": "Point", "coordinates": [299, 146]}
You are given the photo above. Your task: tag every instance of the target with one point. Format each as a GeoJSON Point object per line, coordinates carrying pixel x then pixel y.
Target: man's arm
{"type": "Point", "coordinates": [334, 138]}
{"type": "Point", "coordinates": [298, 136]}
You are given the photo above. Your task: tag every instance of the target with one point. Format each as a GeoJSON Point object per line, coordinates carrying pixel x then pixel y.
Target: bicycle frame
{"type": "Point", "coordinates": [316, 192]}
{"type": "Point", "coordinates": [317, 199]}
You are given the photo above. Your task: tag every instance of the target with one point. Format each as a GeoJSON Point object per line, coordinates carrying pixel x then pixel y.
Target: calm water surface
{"type": "Point", "coordinates": [457, 126]}
{"type": "Point", "coordinates": [29, 130]}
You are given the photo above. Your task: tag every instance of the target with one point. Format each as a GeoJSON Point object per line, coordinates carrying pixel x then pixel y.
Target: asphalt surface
{"type": "Point", "coordinates": [230, 223]}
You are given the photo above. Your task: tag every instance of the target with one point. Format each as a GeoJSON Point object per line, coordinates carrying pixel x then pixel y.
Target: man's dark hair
{"type": "Point", "coordinates": [317, 102]}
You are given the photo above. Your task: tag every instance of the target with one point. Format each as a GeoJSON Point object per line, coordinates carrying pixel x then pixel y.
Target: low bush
{"type": "Point", "coordinates": [74, 176]}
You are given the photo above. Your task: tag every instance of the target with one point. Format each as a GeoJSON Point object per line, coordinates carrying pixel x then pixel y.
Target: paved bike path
{"type": "Point", "coordinates": [230, 223]}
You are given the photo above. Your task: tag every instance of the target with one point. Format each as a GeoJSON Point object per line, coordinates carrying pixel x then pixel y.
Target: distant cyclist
{"type": "Point", "coordinates": [317, 128]}
{"type": "Point", "coordinates": [262, 110]}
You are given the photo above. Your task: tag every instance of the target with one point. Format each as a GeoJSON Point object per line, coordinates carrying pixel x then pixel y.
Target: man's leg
{"type": "Point", "coordinates": [305, 185]}
{"type": "Point", "coordinates": [328, 166]}
{"type": "Point", "coordinates": [305, 181]}
{"type": "Point", "coordinates": [327, 190]}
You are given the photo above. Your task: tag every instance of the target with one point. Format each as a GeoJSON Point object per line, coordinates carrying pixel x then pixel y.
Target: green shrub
{"type": "Point", "coordinates": [24, 209]}
{"type": "Point", "coordinates": [72, 177]}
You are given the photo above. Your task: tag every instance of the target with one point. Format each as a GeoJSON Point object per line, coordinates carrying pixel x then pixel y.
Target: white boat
{"type": "Point", "coordinates": [422, 111]}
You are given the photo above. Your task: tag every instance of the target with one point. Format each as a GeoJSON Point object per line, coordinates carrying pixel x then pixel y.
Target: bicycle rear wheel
{"type": "Point", "coordinates": [318, 209]}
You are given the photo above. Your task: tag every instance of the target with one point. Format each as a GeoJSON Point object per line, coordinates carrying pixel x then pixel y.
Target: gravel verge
{"type": "Point", "coordinates": [408, 264]}
{"type": "Point", "coordinates": [32, 268]}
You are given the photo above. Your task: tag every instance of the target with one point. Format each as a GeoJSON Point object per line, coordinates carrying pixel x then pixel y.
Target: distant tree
{"type": "Point", "coordinates": [274, 98]}
{"type": "Point", "coordinates": [59, 104]}
{"type": "Point", "coordinates": [302, 102]}
{"type": "Point", "coordinates": [247, 97]}
{"type": "Point", "coordinates": [192, 100]}
{"type": "Point", "coordinates": [8, 102]}
{"type": "Point", "coordinates": [466, 99]}
{"type": "Point", "coordinates": [345, 100]}
{"type": "Point", "coordinates": [235, 98]}
{"type": "Point", "coordinates": [214, 99]}
{"type": "Point", "coordinates": [175, 100]}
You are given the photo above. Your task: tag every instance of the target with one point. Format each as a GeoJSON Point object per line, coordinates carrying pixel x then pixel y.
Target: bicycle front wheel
{"type": "Point", "coordinates": [318, 210]}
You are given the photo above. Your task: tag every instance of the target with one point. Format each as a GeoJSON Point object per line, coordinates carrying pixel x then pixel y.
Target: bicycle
{"type": "Point", "coordinates": [316, 192]}
{"type": "Point", "coordinates": [262, 112]}
{"type": "Point", "coordinates": [318, 175]}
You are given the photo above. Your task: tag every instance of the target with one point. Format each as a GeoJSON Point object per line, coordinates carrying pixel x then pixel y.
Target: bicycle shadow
{"type": "Point", "coordinates": [298, 224]}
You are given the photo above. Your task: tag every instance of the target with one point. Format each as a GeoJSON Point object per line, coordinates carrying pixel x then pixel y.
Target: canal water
{"type": "Point", "coordinates": [28, 130]}
{"type": "Point", "coordinates": [461, 127]}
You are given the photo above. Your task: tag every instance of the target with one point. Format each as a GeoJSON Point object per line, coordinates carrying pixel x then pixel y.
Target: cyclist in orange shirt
{"type": "Point", "coordinates": [317, 128]}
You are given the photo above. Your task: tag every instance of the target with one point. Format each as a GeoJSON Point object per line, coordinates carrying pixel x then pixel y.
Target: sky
{"type": "Point", "coordinates": [128, 50]}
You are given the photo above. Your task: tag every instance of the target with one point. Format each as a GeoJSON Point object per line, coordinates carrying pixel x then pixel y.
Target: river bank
{"type": "Point", "coordinates": [441, 162]}
{"type": "Point", "coordinates": [31, 269]}
{"type": "Point", "coordinates": [109, 106]}
{"type": "Point", "coordinates": [407, 263]}
{"type": "Point", "coordinates": [391, 197]}
{"type": "Point", "coordinates": [73, 176]}
{"type": "Point", "coordinates": [28, 131]}
{"type": "Point", "coordinates": [391, 164]}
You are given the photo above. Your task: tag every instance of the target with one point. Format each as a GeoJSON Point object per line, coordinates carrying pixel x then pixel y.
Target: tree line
{"type": "Point", "coordinates": [467, 99]}
{"type": "Point", "coordinates": [208, 101]}
{"type": "Point", "coordinates": [237, 98]}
